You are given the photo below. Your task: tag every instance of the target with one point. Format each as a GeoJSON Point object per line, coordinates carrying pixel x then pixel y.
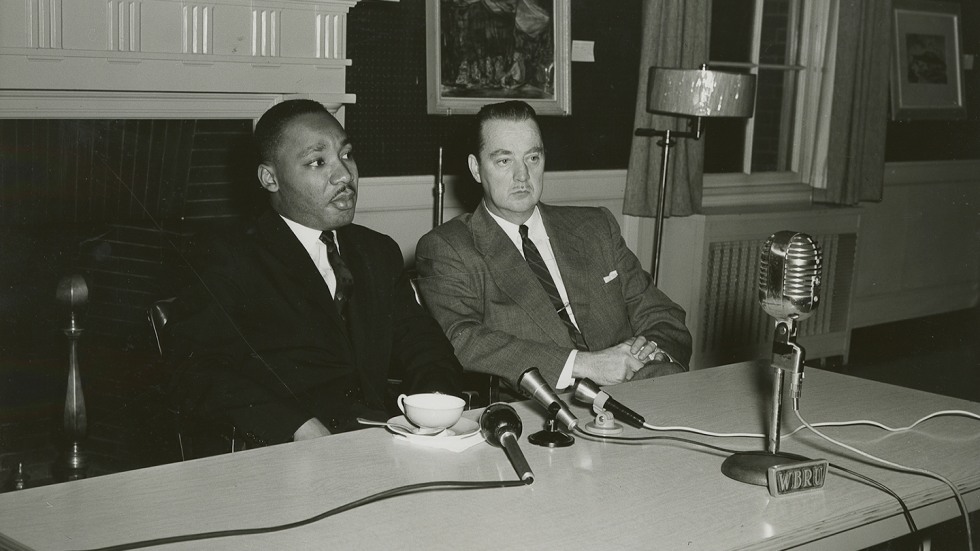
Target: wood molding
{"type": "Point", "coordinates": [404, 206]}
{"type": "Point", "coordinates": [169, 58]}
{"type": "Point", "coordinates": [400, 193]}
{"type": "Point", "coordinates": [49, 104]}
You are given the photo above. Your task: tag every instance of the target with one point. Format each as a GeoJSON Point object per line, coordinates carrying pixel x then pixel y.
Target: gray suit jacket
{"type": "Point", "coordinates": [477, 285]}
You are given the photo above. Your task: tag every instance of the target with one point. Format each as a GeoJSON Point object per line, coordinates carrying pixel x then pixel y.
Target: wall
{"type": "Point", "coordinates": [402, 207]}
{"type": "Point", "coordinates": [397, 142]}
{"type": "Point", "coordinates": [919, 249]}
{"type": "Point", "coordinates": [117, 207]}
{"type": "Point", "coordinates": [942, 140]}
{"type": "Point", "coordinates": [394, 135]}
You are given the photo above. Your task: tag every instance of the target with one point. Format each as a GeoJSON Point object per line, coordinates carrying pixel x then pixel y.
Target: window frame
{"type": "Point", "coordinates": [814, 53]}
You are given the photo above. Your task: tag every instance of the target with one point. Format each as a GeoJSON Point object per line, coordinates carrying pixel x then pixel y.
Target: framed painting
{"type": "Point", "coordinates": [485, 51]}
{"type": "Point", "coordinates": [927, 74]}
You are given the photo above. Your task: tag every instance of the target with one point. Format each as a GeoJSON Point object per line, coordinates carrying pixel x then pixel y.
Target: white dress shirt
{"type": "Point", "coordinates": [539, 236]}
{"type": "Point", "coordinates": [310, 239]}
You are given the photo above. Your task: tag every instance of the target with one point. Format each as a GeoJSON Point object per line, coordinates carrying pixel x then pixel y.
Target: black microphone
{"type": "Point", "coordinates": [532, 383]}
{"type": "Point", "coordinates": [501, 427]}
{"type": "Point", "coordinates": [588, 392]}
{"type": "Point", "coordinates": [789, 275]}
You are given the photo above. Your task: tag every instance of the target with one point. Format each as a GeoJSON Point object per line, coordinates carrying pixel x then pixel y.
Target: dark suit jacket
{"type": "Point", "coordinates": [479, 288]}
{"type": "Point", "coordinates": [262, 346]}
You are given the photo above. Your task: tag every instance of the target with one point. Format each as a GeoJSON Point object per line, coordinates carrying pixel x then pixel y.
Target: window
{"type": "Point", "coordinates": [783, 43]}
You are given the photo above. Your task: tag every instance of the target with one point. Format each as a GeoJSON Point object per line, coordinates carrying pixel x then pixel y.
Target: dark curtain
{"type": "Point", "coordinates": [675, 34]}
{"type": "Point", "coordinates": [855, 161]}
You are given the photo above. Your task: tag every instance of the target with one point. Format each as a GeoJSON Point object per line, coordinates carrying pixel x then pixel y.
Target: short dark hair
{"type": "Point", "coordinates": [514, 110]}
{"type": "Point", "coordinates": [268, 131]}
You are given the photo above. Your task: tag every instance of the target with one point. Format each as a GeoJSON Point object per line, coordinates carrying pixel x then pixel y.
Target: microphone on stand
{"type": "Point", "coordinates": [789, 285]}
{"type": "Point", "coordinates": [532, 383]}
{"type": "Point", "coordinates": [790, 268]}
{"type": "Point", "coordinates": [789, 275]}
{"type": "Point", "coordinates": [501, 427]}
{"type": "Point", "coordinates": [588, 392]}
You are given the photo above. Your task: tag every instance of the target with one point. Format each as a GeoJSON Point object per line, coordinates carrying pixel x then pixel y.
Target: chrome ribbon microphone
{"type": "Point", "coordinates": [533, 384]}
{"type": "Point", "coordinates": [789, 289]}
{"type": "Point", "coordinates": [789, 275]}
{"type": "Point", "coordinates": [501, 427]}
{"type": "Point", "coordinates": [588, 392]}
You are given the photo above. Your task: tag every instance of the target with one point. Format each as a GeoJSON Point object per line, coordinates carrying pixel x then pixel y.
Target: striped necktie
{"type": "Point", "coordinates": [540, 270]}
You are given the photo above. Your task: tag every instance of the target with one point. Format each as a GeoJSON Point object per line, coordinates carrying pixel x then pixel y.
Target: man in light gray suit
{"type": "Point", "coordinates": [520, 284]}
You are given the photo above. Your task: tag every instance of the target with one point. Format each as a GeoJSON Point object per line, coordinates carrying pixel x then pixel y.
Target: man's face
{"type": "Point", "coordinates": [510, 168]}
{"type": "Point", "coordinates": [313, 178]}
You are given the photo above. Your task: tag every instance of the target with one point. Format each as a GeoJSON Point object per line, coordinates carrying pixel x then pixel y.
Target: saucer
{"type": "Point", "coordinates": [463, 428]}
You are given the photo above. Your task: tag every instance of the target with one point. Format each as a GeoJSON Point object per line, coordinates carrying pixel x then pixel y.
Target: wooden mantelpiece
{"type": "Point", "coordinates": [169, 58]}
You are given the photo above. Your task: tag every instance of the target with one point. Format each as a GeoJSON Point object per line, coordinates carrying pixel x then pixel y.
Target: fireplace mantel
{"type": "Point", "coordinates": [169, 58]}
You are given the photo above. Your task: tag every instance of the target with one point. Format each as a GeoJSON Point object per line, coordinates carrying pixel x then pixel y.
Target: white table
{"type": "Point", "coordinates": [592, 495]}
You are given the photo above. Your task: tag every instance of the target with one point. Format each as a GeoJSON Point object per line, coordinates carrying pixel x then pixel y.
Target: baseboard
{"type": "Point", "coordinates": [930, 172]}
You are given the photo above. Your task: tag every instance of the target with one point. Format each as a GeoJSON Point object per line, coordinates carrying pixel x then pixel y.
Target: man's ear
{"type": "Point", "coordinates": [474, 165]}
{"type": "Point", "coordinates": [267, 177]}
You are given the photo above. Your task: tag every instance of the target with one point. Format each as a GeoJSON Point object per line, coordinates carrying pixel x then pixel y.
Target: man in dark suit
{"type": "Point", "coordinates": [520, 284]}
{"type": "Point", "coordinates": [295, 324]}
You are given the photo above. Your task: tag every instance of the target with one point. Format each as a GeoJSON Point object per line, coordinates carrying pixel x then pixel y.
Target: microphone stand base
{"type": "Point", "coordinates": [753, 467]}
{"type": "Point", "coordinates": [598, 428]}
{"type": "Point", "coordinates": [551, 439]}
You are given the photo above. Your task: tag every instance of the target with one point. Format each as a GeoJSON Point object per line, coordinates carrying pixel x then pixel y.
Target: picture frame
{"type": "Point", "coordinates": [476, 56]}
{"type": "Point", "coordinates": [927, 72]}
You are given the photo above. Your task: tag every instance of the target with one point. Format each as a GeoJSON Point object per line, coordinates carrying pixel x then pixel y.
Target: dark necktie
{"type": "Point", "coordinates": [540, 269]}
{"type": "Point", "coordinates": [345, 281]}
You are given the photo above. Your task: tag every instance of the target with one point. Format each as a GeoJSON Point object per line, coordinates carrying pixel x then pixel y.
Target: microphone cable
{"type": "Point", "coordinates": [624, 439]}
{"type": "Point", "coordinates": [393, 492]}
{"type": "Point", "coordinates": [956, 412]}
{"type": "Point", "coordinates": [648, 426]}
{"type": "Point", "coordinates": [872, 482]}
{"type": "Point", "coordinates": [947, 412]}
{"type": "Point", "coordinates": [913, 470]}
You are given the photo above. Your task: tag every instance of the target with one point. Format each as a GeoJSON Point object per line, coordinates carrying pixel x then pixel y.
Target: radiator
{"type": "Point", "coordinates": [710, 266]}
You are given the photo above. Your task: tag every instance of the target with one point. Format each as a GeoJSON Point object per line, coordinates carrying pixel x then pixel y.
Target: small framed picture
{"type": "Point", "coordinates": [486, 52]}
{"type": "Point", "coordinates": [926, 75]}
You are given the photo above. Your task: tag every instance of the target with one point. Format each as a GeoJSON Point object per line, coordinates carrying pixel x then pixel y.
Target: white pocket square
{"type": "Point", "coordinates": [612, 275]}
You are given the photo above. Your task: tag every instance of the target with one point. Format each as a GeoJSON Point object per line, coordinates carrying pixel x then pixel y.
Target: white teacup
{"type": "Point", "coordinates": [431, 411]}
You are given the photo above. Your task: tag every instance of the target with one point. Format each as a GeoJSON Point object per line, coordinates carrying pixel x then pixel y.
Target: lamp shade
{"type": "Point", "coordinates": [700, 93]}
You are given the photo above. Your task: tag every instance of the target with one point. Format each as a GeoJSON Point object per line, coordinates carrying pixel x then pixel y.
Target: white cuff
{"type": "Point", "coordinates": [565, 380]}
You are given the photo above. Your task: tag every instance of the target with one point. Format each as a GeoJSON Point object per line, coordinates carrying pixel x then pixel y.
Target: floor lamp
{"type": "Point", "coordinates": [692, 94]}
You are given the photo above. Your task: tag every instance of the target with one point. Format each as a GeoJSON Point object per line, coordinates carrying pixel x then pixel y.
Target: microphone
{"type": "Point", "coordinates": [588, 392]}
{"type": "Point", "coordinates": [501, 427]}
{"type": "Point", "coordinates": [532, 383]}
{"type": "Point", "coordinates": [790, 266]}
{"type": "Point", "coordinates": [789, 275]}
{"type": "Point", "coordinates": [789, 285]}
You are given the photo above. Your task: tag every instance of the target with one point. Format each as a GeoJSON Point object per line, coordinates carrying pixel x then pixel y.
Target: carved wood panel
{"type": "Point", "coordinates": [140, 48]}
